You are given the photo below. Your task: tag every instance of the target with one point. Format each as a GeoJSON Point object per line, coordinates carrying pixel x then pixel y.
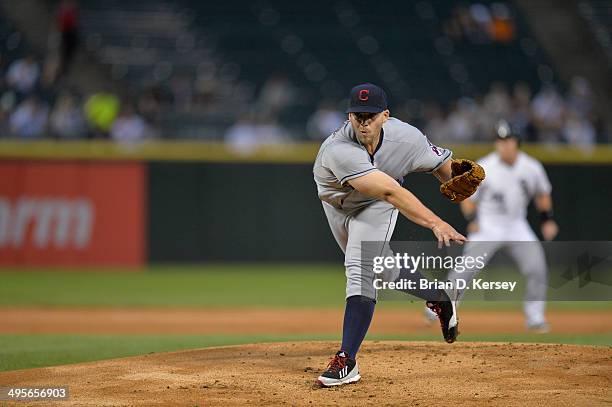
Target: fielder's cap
{"type": "Point", "coordinates": [504, 130]}
{"type": "Point", "coordinates": [367, 98]}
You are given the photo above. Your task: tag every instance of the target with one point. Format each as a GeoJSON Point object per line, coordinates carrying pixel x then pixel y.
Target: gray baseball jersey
{"type": "Point", "coordinates": [354, 217]}
{"type": "Point", "coordinates": [403, 149]}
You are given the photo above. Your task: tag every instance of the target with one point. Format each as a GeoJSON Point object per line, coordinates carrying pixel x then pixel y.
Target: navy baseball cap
{"type": "Point", "coordinates": [504, 131]}
{"type": "Point", "coordinates": [367, 98]}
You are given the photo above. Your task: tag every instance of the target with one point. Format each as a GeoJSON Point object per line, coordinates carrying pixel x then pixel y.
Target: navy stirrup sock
{"type": "Point", "coordinates": [357, 317]}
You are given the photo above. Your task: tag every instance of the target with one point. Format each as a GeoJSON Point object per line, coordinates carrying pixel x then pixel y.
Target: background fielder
{"type": "Point", "coordinates": [497, 215]}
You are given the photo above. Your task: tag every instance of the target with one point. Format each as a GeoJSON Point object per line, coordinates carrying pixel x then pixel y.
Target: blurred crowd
{"type": "Point", "coordinates": [546, 116]}
{"type": "Point", "coordinates": [480, 24]}
{"type": "Point", "coordinates": [32, 109]}
{"type": "Point", "coordinates": [28, 110]}
{"type": "Point", "coordinates": [36, 103]}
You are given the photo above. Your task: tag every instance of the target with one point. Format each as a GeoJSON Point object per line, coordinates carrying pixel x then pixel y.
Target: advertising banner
{"type": "Point", "coordinates": [72, 213]}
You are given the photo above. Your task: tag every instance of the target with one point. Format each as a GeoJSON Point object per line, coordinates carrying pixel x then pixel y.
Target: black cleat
{"type": "Point", "coordinates": [340, 370]}
{"type": "Point", "coordinates": [447, 314]}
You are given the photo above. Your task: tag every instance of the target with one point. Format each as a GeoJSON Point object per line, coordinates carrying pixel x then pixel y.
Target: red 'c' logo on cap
{"type": "Point", "coordinates": [364, 94]}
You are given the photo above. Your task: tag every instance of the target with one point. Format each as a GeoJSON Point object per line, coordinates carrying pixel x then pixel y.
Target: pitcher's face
{"type": "Point", "coordinates": [368, 125]}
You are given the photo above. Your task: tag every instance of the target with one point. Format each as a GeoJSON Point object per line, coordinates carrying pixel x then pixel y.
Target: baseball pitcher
{"type": "Point", "coordinates": [359, 172]}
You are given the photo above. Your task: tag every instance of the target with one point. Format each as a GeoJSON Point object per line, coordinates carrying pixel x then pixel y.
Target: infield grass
{"type": "Point", "coordinates": [210, 286]}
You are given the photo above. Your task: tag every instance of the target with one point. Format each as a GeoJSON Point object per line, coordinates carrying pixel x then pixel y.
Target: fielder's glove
{"type": "Point", "coordinates": [466, 176]}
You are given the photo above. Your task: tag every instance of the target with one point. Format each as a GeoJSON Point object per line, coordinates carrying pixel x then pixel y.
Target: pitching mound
{"type": "Point", "coordinates": [407, 373]}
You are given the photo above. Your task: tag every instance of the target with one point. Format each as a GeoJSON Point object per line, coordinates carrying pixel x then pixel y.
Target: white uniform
{"type": "Point", "coordinates": [502, 200]}
{"type": "Point", "coordinates": [504, 195]}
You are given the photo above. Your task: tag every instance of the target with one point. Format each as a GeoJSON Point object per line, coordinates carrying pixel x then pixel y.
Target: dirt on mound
{"type": "Point", "coordinates": [394, 373]}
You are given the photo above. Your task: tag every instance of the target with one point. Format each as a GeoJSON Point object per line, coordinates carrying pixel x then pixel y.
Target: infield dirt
{"type": "Point", "coordinates": [394, 373]}
{"type": "Point", "coordinates": [277, 321]}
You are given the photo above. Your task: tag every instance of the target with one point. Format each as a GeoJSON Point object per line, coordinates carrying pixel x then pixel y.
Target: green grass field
{"type": "Point", "coordinates": [208, 286]}
{"type": "Point", "coordinates": [179, 286]}
{"type": "Point", "coordinates": [205, 286]}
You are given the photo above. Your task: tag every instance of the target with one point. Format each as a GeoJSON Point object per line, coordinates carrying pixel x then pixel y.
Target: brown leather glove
{"type": "Point", "coordinates": [466, 176]}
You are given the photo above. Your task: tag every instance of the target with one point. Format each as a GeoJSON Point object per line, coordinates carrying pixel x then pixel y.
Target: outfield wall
{"type": "Point", "coordinates": [242, 212]}
{"type": "Point", "coordinates": [101, 205]}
